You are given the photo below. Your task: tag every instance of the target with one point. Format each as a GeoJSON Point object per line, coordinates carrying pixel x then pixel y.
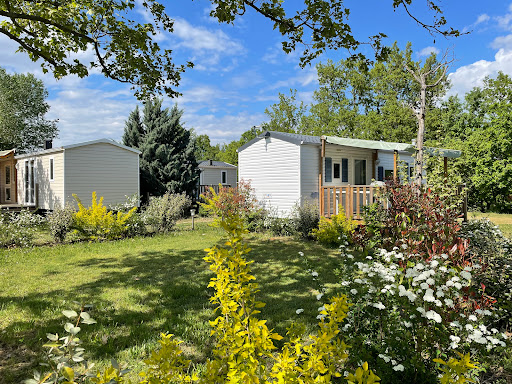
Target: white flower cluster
{"type": "Point", "coordinates": [423, 290]}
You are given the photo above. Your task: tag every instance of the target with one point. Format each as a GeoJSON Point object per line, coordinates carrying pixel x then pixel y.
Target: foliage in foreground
{"type": "Point", "coordinates": [421, 293]}
{"type": "Point", "coordinates": [244, 350]}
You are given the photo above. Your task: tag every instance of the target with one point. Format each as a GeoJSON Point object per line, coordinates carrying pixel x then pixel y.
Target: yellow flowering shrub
{"type": "Point", "coordinates": [334, 230]}
{"type": "Point", "coordinates": [97, 222]}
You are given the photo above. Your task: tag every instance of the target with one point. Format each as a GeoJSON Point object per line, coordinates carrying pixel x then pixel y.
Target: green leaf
{"type": "Point", "coordinates": [70, 314]}
{"type": "Point", "coordinates": [68, 373]}
{"type": "Point", "coordinates": [52, 337]}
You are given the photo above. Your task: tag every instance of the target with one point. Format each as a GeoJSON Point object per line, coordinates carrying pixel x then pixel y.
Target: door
{"type": "Point", "coordinates": [360, 172]}
{"type": "Point", "coordinates": [30, 185]}
{"type": "Point", "coordinates": [8, 183]}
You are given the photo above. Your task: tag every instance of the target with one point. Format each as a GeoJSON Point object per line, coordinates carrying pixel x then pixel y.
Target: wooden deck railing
{"type": "Point", "coordinates": [352, 198]}
{"type": "Point", "coordinates": [203, 188]}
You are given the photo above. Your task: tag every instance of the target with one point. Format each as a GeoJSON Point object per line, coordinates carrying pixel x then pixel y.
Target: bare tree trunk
{"type": "Point", "coordinates": [420, 116]}
{"type": "Point", "coordinates": [421, 76]}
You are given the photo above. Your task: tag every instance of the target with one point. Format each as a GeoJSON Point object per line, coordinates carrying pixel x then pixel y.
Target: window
{"type": "Point", "coordinates": [360, 172]}
{"type": "Point", "coordinates": [388, 174]}
{"type": "Point", "coordinates": [411, 172]}
{"type": "Point", "coordinates": [51, 169]}
{"type": "Point", "coordinates": [7, 194]}
{"type": "Point", "coordinates": [328, 169]}
{"type": "Point", "coordinates": [30, 193]}
{"type": "Point", "coordinates": [7, 174]}
{"type": "Point", "coordinates": [344, 170]}
{"type": "Point", "coordinates": [380, 174]}
{"type": "Point", "coordinates": [224, 177]}
{"type": "Point", "coordinates": [337, 167]}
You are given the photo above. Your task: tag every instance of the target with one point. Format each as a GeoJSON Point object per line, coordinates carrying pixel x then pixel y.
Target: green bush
{"type": "Point", "coordinates": [334, 231]}
{"type": "Point", "coordinates": [60, 222]}
{"type": "Point", "coordinates": [305, 218]}
{"type": "Point", "coordinates": [17, 229]}
{"type": "Point", "coordinates": [162, 212]}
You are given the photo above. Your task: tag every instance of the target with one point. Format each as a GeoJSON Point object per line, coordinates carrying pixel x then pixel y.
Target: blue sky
{"type": "Point", "coordinates": [240, 69]}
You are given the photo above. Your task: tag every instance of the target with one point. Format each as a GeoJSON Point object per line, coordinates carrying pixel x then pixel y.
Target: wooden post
{"type": "Point", "coordinates": [445, 169]}
{"type": "Point", "coordinates": [395, 165]}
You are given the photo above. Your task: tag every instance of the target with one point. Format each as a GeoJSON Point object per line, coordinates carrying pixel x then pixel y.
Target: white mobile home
{"type": "Point", "coordinates": [214, 173]}
{"type": "Point", "coordinates": [49, 178]}
{"type": "Point", "coordinates": [287, 169]}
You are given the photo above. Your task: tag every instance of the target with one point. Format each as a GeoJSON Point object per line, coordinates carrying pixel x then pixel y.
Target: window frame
{"type": "Point", "coordinates": [224, 177]}
{"type": "Point", "coordinates": [328, 169]}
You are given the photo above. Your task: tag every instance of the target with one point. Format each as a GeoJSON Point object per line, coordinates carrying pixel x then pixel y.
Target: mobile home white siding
{"type": "Point", "coordinates": [273, 168]}
{"type": "Point", "coordinates": [50, 192]}
{"type": "Point", "coordinates": [213, 176]}
{"type": "Point", "coordinates": [110, 171]}
{"type": "Point", "coordinates": [386, 160]}
{"type": "Point", "coordinates": [309, 170]}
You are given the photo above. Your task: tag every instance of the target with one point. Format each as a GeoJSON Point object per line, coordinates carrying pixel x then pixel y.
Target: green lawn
{"type": "Point", "coordinates": [503, 220]}
{"type": "Point", "coordinates": [139, 288]}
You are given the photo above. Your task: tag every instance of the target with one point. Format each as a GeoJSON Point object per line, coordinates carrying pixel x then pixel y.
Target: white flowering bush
{"type": "Point", "coordinates": [493, 250]}
{"type": "Point", "coordinates": [17, 229]}
{"type": "Point", "coordinates": [408, 311]}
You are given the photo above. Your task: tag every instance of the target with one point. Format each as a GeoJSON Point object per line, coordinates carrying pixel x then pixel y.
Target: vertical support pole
{"type": "Point", "coordinates": [395, 165]}
{"type": "Point", "coordinates": [445, 169]}
{"type": "Point", "coordinates": [465, 205]}
{"type": "Point", "coordinates": [375, 156]}
{"type": "Point", "coordinates": [320, 177]}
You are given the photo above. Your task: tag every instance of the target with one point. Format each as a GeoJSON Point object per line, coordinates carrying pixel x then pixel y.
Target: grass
{"type": "Point", "coordinates": [503, 220]}
{"type": "Point", "coordinates": [139, 288]}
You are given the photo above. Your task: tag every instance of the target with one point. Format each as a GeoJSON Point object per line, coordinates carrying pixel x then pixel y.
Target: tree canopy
{"type": "Point", "coordinates": [127, 51]}
{"type": "Point", "coordinates": [23, 108]}
{"type": "Point", "coordinates": [359, 101]}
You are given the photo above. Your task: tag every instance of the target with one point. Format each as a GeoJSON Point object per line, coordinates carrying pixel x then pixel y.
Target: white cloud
{"type": "Point", "coordinates": [428, 50]}
{"type": "Point", "coordinates": [304, 77]}
{"type": "Point", "coordinates": [275, 55]}
{"type": "Point", "coordinates": [472, 75]}
{"type": "Point", "coordinates": [481, 19]}
{"type": "Point", "coordinates": [208, 46]}
{"type": "Point", "coordinates": [502, 42]}
{"type": "Point", "coordinates": [223, 129]}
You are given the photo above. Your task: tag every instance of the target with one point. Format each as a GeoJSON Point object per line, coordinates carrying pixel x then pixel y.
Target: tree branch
{"type": "Point", "coordinates": [63, 28]}
{"type": "Point", "coordinates": [28, 47]}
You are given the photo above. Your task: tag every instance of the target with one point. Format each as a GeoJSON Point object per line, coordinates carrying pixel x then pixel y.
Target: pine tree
{"type": "Point", "coordinates": [167, 161]}
{"type": "Point", "coordinates": [133, 129]}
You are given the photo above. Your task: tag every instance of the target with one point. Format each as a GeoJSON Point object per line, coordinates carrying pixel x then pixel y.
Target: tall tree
{"type": "Point", "coordinates": [427, 79]}
{"type": "Point", "coordinates": [167, 161]}
{"type": "Point", "coordinates": [204, 150]}
{"type": "Point", "coordinates": [133, 129]}
{"type": "Point", "coordinates": [482, 129]}
{"type": "Point", "coordinates": [128, 51]}
{"type": "Point", "coordinates": [288, 115]}
{"type": "Point", "coordinates": [23, 108]}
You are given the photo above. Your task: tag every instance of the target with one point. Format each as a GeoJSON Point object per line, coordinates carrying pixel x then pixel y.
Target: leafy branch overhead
{"type": "Point", "coordinates": [58, 32]}
{"type": "Point", "coordinates": [124, 50]}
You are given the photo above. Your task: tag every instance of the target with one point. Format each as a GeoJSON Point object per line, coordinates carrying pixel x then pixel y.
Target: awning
{"type": "Point", "coordinates": [4, 154]}
{"type": "Point", "coordinates": [370, 144]}
{"type": "Point", "coordinates": [388, 146]}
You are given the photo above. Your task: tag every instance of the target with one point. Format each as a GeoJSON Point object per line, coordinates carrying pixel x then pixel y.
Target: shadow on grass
{"type": "Point", "coordinates": [139, 295]}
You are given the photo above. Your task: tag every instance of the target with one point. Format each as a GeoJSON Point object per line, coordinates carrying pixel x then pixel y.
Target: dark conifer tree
{"type": "Point", "coordinates": [133, 129]}
{"type": "Point", "coordinates": [167, 162]}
